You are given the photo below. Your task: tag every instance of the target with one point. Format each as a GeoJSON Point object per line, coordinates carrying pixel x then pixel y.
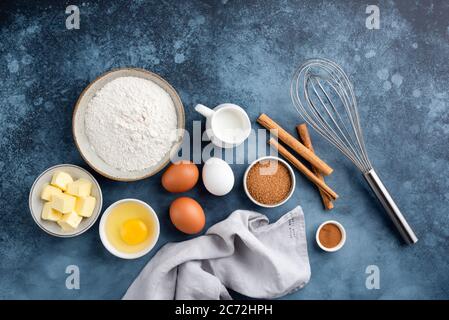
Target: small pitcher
{"type": "Point", "coordinates": [227, 125]}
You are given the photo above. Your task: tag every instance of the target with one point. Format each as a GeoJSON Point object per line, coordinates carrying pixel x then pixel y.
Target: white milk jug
{"type": "Point", "coordinates": [227, 125]}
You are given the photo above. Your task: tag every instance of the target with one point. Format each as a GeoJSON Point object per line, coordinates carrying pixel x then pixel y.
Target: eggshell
{"type": "Point", "coordinates": [218, 177]}
{"type": "Point", "coordinates": [187, 215]}
{"type": "Point", "coordinates": [180, 177]}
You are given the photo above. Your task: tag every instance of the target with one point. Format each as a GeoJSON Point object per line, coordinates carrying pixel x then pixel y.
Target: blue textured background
{"type": "Point", "coordinates": [228, 51]}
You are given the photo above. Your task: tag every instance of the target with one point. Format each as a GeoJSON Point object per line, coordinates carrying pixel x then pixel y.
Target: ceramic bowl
{"type": "Point", "coordinates": [110, 247]}
{"type": "Point", "coordinates": [343, 236]}
{"type": "Point", "coordinates": [36, 203]}
{"type": "Point", "coordinates": [81, 140]}
{"type": "Point", "coordinates": [292, 174]}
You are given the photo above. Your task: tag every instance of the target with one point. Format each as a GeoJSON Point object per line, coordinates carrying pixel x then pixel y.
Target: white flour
{"type": "Point", "coordinates": [131, 123]}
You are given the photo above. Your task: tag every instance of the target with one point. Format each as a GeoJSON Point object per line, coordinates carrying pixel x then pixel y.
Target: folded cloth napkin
{"type": "Point", "coordinates": [243, 253]}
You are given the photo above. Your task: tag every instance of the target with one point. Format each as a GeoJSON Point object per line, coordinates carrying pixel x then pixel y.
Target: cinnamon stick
{"type": "Point", "coordinates": [305, 137]}
{"type": "Point", "coordinates": [294, 143]}
{"type": "Point", "coordinates": [301, 167]}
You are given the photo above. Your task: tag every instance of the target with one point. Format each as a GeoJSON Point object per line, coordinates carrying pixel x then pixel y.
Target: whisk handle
{"type": "Point", "coordinates": [390, 207]}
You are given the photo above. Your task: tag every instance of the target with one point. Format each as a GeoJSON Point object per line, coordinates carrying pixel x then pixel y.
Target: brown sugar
{"type": "Point", "coordinates": [269, 182]}
{"type": "Point", "coordinates": [330, 235]}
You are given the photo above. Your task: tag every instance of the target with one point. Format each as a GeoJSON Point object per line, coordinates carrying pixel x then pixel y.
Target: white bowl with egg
{"type": "Point", "coordinates": [112, 221]}
{"type": "Point", "coordinates": [36, 203]}
{"type": "Point", "coordinates": [88, 152]}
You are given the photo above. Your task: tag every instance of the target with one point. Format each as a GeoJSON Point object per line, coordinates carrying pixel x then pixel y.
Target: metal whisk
{"type": "Point", "coordinates": [324, 97]}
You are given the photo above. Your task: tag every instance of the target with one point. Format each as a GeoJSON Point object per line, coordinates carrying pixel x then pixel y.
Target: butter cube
{"type": "Point", "coordinates": [49, 191]}
{"type": "Point", "coordinates": [70, 221]}
{"type": "Point", "coordinates": [48, 213]}
{"type": "Point", "coordinates": [85, 206]}
{"type": "Point", "coordinates": [80, 188]}
{"type": "Point", "coordinates": [64, 203]}
{"type": "Point", "coordinates": [61, 179]}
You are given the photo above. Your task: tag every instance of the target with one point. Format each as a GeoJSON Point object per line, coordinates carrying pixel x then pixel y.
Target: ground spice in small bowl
{"type": "Point", "coordinates": [330, 235]}
{"type": "Point", "coordinates": [269, 182]}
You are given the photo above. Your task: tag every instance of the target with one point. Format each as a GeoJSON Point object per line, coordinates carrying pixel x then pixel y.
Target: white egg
{"type": "Point", "coordinates": [218, 177]}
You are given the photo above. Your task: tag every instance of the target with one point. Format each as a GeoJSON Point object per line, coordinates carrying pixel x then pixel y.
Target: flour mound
{"type": "Point", "coordinates": [131, 123]}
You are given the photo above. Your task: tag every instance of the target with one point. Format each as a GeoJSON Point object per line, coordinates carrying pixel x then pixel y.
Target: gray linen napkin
{"type": "Point", "coordinates": [243, 253]}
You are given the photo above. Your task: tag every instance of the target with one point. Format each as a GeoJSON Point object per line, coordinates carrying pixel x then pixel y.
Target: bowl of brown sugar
{"type": "Point", "coordinates": [269, 182]}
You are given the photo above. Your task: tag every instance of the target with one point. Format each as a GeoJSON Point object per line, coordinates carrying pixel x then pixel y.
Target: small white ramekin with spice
{"type": "Point", "coordinates": [269, 181]}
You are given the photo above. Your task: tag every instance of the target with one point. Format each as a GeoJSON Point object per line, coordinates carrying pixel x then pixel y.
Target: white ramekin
{"type": "Point", "coordinates": [110, 247]}
{"type": "Point", "coordinates": [292, 174]}
{"type": "Point", "coordinates": [343, 236]}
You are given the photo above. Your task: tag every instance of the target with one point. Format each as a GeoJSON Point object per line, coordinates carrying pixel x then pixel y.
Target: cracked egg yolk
{"type": "Point", "coordinates": [133, 231]}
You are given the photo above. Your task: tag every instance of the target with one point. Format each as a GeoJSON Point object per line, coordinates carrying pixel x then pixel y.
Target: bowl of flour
{"type": "Point", "coordinates": [127, 123]}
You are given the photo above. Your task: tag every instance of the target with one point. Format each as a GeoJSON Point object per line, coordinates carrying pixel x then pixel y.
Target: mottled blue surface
{"type": "Point", "coordinates": [241, 52]}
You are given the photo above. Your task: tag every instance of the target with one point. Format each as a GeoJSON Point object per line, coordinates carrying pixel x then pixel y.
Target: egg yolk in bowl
{"type": "Point", "coordinates": [130, 227]}
{"type": "Point", "coordinates": [134, 231]}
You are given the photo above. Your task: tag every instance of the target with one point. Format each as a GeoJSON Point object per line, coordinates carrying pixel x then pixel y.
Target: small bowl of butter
{"type": "Point", "coordinates": [129, 228]}
{"type": "Point", "coordinates": [65, 200]}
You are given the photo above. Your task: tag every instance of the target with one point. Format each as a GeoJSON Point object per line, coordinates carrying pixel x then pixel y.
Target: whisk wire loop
{"type": "Point", "coordinates": [347, 137]}
{"type": "Point", "coordinates": [327, 95]}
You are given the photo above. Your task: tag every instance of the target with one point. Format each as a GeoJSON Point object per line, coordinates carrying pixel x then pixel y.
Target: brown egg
{"type": "Point", "coordinates": [187, 215]}
{"type": "Point", "coordinates": [180, 177]}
